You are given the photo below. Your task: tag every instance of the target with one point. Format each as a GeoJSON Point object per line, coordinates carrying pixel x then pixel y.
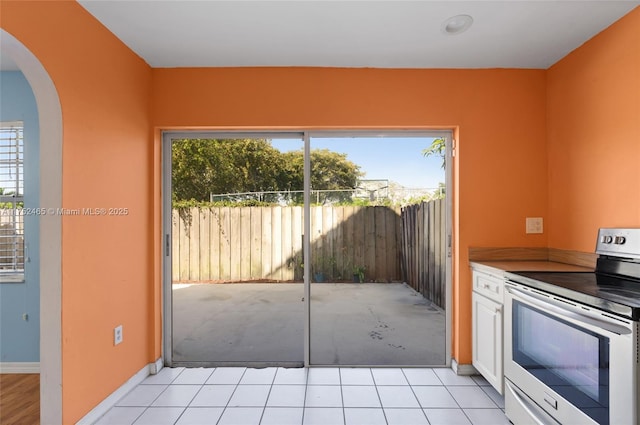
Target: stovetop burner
{"type": "Point", "coordinates": [615, 295]}
{"type": "Point", "coordinates": [613, 287]}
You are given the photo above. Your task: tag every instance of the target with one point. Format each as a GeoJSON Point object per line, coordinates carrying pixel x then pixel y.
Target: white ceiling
{"type": "Point", "coordinates": [379, 34]}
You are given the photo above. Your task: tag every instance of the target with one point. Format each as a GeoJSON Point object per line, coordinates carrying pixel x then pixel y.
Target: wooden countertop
{"type": "Point", "coordinates": [499, 267]}
{"type": "Point", "coordinates": [500, 260]}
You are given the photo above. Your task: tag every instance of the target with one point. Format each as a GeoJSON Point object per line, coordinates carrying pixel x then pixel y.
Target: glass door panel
{"type": "Point", "coordinates": [236, 233]}
{"type": "Point", "coordinates": [377, 288]}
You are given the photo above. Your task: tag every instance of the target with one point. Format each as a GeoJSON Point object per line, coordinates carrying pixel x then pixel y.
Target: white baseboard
{"type": "Point", "coordinates": [106, 404]}
{"type": "Point", "coordinates": [156, 367]}
{"type": "Point", "coordinates": [463, 369]}
{"type": "Point", "coordinates": [19, 367]}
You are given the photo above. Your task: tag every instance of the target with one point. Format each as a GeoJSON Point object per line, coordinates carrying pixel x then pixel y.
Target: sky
{"type": "Point", "coordinates": [397, 159]}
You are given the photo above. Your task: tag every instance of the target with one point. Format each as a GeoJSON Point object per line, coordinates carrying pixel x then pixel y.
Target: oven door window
{"type": "Point", "coordinates": [571, 360]}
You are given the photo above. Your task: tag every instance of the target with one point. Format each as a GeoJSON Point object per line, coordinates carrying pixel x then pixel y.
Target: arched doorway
{"type": "Point", "coordinates": [50, 121]}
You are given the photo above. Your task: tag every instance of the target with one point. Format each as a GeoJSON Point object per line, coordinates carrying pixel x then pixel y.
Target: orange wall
{"type": "Point", "coordinates": [105, 93]}
{"type": "Point", "coordinates": [500, 115]}
{"type": "Point", "coordinates": [593, 137]}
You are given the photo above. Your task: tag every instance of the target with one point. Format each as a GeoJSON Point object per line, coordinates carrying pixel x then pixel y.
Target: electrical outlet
{"type": "Point", "coordinates": [534, 225]}
{"type": "Point", "coordinates": [117, 335]}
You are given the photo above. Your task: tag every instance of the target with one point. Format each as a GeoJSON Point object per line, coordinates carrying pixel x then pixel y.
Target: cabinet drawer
{"type": "Point", "coordinates": [488, 285]}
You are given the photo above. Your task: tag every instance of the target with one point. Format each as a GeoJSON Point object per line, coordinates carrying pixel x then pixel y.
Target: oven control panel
{"type": "Point", "coordinates": [619, 242]}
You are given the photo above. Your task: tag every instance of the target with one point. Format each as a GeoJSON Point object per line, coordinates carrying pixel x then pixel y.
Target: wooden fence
{"type": "Point", "coordinates": [241, 244]}
{"type": "Point", "coordinates": [424, 251]}
{"type": "Point", "coordinates": [265, 243]}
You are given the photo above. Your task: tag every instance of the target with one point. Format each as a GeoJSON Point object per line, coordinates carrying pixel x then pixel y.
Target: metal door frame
{"type": "Point", "coordinates": [305, 136]}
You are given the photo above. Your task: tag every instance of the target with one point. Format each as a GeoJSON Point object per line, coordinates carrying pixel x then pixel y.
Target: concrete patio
{"type": "Point", "coordinates": [263, 324]}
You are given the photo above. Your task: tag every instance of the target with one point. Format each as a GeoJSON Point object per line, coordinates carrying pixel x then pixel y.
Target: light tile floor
{"type": "Point", "coordinates": [325, 396]}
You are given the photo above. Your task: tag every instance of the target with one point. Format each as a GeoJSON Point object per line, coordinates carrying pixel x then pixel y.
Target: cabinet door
{"type": "Point", "coordinates": [487, 340]}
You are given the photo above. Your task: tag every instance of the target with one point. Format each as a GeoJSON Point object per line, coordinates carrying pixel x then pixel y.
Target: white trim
{"type": "Point", "coordinates": [19, 367]}
{"type": "Point", "coordinates": [156, 367]}
{"type": "Point", "coordinates": [106, 404]}
{"type": "Point", "coordinates": [463, 369]}
{"type": "Point", "coordinates": [50, 120]}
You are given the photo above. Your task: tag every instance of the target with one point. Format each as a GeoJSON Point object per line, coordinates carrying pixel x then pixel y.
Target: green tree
{"type": "Point", "coordinates": [330, 171]}
{"type": "Point", "coordinates": [204, 166]}
{"type": "Point", "coordinates": [219, 166]}
{"type": "Point", "coordinates": [438, 148]}
{"type": "Point", "coordinates": [333, 171]}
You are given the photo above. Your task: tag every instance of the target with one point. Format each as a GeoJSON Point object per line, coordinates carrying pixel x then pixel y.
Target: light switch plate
{"type": "Point", "coordinates": [534, 225]}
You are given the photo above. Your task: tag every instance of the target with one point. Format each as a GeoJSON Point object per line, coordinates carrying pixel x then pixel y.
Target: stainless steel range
{"type": "Point", "coordinates": [572, 339]}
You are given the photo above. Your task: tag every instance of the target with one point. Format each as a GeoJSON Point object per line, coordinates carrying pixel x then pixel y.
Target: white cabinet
{"type": "Point", "coordinates": [487, 334]}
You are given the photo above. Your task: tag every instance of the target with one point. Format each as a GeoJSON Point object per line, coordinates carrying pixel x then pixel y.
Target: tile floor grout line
{"type": "Point", "coordinates": [138, 417]}
{"type": "Point", "coordinates": [188, 404]}
{"type": "Point", "coordinates": [439, 379]}
{"type": "Point", "coordinates": [304, 400]}
{"type": "Point", "coordinates": [416, 396]}
{"type": "Point", "coordinates": [231, 396]}
{"type": "Point", "coordinates": [379, 398]}
{"type": "Point", "coordinates": [461, 408]}
{"type": "Point", "coordinates": [264, 408]}
{"type": "Point", "coordinates": [344, 413]}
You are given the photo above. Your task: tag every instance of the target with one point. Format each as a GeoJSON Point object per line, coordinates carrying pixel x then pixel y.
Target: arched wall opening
{"type": "Point", "coordinates": [50, 121]}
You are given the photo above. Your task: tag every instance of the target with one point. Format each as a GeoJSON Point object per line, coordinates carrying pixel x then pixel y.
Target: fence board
{"type": "Point", "coordinates": [421, 249]}
{"type": "Point", "coordinates": [317, 242]}
{"type": "Point", "coordinates": [381, 246]}
{"type": "Point", "coordinates": [216, 234]}
{"type": "Point", "coordinates": [256, 243]}
{"type": "Point", "coordinates": [183, 237]}
{"type": "Point", "coordinates": [204, 245]}
{"type": "Point", "coordinates": [392, 254]}
{"type": "Point", "coordinates": [278, 256]}
{"type": "Point", "coordinates": [297, 220]}
{"type": "Point", "coordinates": [348, 243]}
{"type": "Point", "coordinates": [175, 244]}
{"type": "Point", "coordinates": [229, 255]}
{"type": "Point", "coordinates": [330, 231]}
{"type": "Point", "coordinates": [438, 258]}
{"type": "Point", "coordinates": [359, 238]}
{"type": "Point", "coordinates": [244, 230]}
{"type": "Point", "coordinates": [194, 245]}
{"type": "Point", "coordinates": [370, 236]}
{"type": "Point", "coordinates": [429, 236]}
{"type": "Point", "coordinates": [288, 261]}
{"type": "Point", "coordinates": [339, 249]}
{"type": "Point", "coordinates": [266, 242]}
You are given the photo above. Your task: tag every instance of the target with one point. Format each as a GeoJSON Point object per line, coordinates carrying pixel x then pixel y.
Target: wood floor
{"type": "Point", "coordinates": [19, 399]}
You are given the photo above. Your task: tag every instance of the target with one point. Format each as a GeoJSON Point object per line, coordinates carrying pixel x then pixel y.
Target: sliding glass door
{"type": "Point", "coordinates": [299, 249]}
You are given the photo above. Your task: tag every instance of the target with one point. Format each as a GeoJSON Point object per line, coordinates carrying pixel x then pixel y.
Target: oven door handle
{"type": "Point", "coordinates": [528, 407]}
{"type": "Point", "coordinates": [556, 307]}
